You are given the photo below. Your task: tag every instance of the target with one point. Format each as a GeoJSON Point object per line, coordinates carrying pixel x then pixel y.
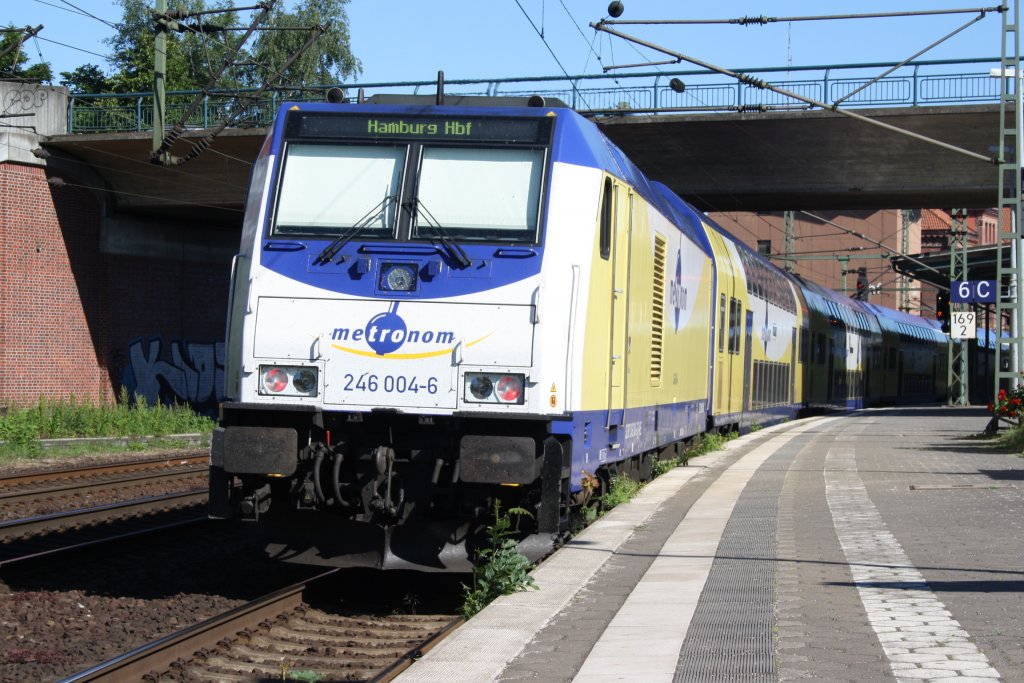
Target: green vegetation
{"type": "Point", "coordinates": [701, 445]}
{"type": "Point", "coordinates": [193, 56]}
{"type": "Point", "coordinates": [620, 491]}
{"type": "Point", "coordinates": [22, 428]}
{"type": "Point", "coordinates": [660, 466]}
{"type": "Point", "coordinates": [14, 55]}
{"type": "Point", "coordinates": [498, 567]}
{"type": "Point", "coordinates": [1012, 440]}
{"type": "Point", "coordinates": [712, 441]}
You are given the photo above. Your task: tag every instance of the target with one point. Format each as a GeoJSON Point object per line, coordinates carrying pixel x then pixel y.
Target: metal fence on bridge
{"type": "Point", "coordinates": [923, 83]}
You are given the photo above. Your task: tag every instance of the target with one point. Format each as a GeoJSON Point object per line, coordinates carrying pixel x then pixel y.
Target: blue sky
{"type": "Point", "coordinates": [413, 39]}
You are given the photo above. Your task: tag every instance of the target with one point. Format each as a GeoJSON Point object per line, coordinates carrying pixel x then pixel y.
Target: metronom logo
{"type": "Point", "coordinates": [387, 332]}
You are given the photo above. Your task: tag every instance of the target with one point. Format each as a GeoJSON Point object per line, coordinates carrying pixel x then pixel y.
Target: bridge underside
{"type": "Point", "coordinates": [722, 162]}
{"type": "Point", "coordinates": [818, 159]}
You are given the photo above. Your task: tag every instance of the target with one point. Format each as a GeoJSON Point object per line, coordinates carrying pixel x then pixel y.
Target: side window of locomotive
{"type": "Point", "coordinates": [479, 193]}
{"type": "Point", "coordinates": [607, 210]}
{"type": "Point", "coordinates": [326, 189]}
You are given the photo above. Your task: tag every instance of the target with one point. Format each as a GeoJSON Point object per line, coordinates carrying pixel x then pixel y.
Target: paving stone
{"type": "Point", "coordinates": [940, 574]}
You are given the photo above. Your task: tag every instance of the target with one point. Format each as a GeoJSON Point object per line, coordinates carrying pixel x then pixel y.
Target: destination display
{"type": "Point", "coordinates": [377, 127]}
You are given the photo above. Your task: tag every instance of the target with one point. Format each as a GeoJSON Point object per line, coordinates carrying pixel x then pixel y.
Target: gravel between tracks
{"type": "Point", "coordinates": [61, 617]}
{"type": "Point", "coordinates": [21, 509]}
{"type": "Point", "coordinates": [44, 462]}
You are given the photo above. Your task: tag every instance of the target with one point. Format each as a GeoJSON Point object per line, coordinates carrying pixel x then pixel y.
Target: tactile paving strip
{"type": "Point", "coordinates": [730, 637]}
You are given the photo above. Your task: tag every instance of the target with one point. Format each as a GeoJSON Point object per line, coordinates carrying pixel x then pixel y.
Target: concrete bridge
{"type": "Point", "coordinates": [724, 162]}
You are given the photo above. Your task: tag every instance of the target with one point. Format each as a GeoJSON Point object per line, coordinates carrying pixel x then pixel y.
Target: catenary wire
{"type": "Point", "coordinates": [549, 48]}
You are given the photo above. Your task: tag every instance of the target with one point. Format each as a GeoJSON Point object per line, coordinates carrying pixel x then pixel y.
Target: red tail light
{"type": "Point", "coordinates": [509, 389]}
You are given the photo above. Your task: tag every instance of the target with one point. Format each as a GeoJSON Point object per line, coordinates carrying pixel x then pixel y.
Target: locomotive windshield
{"type": "Point", "coordinates": [327, 188]}
{"type": "Point", "coordinates": [415, 178]}
{"type": "Point", "coordinates": [479, 193]}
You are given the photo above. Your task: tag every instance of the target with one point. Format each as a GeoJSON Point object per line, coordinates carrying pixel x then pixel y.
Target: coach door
{"type": "Point", "coordinates": [747, 339]}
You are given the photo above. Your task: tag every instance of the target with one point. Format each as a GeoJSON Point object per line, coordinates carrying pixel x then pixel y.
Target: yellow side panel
{"type": "Point", "coordinates": [621, 365]}
{"type": "Point", "coordinates": [597, 335]}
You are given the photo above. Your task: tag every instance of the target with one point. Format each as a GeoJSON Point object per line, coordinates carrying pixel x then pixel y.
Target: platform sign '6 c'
{"type": "Point", "coordinates": [973, 291]}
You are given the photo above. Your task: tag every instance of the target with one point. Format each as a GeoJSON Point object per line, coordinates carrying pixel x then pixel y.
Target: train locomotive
{"type": "Point", "coordinates": [437, 309]}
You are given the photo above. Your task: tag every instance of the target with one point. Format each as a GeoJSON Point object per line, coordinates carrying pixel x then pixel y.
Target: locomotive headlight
{"type": "Point", "coordinates": [481, 387]}
{"type": "Point", "coordinates": [485, 387]}
{"type": "Point", "coordinates": [398, 277]}
{"type": "Point", "coordinates": [305, 381]}
{"type": "Point", "coordinates": [288, 380]}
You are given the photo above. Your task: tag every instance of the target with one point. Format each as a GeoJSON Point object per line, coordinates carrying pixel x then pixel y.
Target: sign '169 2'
{"type": "Point", "coordinates": [973, 291]}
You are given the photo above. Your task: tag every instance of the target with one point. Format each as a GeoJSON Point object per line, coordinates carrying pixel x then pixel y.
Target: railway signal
{"type": "Point", "coordinates": [942, 309]}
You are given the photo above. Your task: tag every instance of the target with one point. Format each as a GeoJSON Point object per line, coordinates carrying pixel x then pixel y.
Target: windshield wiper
{"type": "Point", "coordinates": [451, 246]}
{"type": "Point", "coordinates": [332, 249]}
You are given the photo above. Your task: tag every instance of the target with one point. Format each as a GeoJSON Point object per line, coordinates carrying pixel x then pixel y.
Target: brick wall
{"type": "Point", "coordinates": [70, 316]}
{"type": "Point", "coordinates": [52, 308]}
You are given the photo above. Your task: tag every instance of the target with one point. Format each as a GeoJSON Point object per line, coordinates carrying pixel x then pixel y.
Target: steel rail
{"type": "Point", "coordinates": [160, 653]}
{"type": "Point", "coordinates": [410, 657]}
{"type": "Point", "coordinates": [20, 528]}
{"type": "Point", "coordinates": [38, 555]}
{"type": "Point", "coordinates": [106, 468]}
{"type": "Point", "coordinates": [101, 486]}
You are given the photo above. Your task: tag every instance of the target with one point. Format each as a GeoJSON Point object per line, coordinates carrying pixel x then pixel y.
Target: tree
{"type": "Point", "coordinates": [88, 78]}
{"type": "Point", "coordinates": [327, 62]}
{"type": "Point", "coordinates": [14, 58]}
{"type": "Point", "coordinates": [194, 52]}
{"type": "Point", "coordinates": [190, 54]}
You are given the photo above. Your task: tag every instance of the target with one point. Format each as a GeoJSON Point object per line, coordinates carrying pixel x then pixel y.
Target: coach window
{"type": "Point", "coordinates": [607, 209]}
{"type": "Point", "coordinates": [735, 312]}
{"type": "Point", "coordinates": [313, 202]}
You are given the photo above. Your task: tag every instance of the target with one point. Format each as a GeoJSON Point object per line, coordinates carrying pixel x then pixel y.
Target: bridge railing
{"type": "Point", "coordinates": [922, 83]}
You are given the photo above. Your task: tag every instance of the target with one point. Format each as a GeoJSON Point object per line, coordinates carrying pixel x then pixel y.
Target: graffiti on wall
{"type": "Point", "coordinates": [24, 97]}
{"type": "Point", "coordinates": [191, 373]}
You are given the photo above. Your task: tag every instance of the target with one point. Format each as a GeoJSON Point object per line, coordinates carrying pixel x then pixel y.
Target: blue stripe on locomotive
{"type": "Point", "coordinates": [660, 426]}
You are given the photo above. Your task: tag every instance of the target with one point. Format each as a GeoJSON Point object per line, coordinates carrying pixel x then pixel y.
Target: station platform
{"type": "Point", "coordinates": [886, 544]}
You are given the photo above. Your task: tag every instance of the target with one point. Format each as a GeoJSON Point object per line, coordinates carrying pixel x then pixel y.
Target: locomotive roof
{"type": "Point", "coordinates": [577, 140]}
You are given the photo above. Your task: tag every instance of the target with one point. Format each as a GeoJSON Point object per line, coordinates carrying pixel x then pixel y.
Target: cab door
{"type": "Point", "coordinates": [622, 202]}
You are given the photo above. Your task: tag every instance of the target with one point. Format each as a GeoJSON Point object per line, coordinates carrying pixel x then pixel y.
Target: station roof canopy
{"type": "Point", "coordinates": [933, 269]}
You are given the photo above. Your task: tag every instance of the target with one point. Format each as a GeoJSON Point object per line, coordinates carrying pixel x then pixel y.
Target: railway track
{"type": "Point", "coordinates": [98, 504]}
{"type": "Point", "coordinates": [280, 633]}
{"type": "Point", "coordinates": [96, 478]}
